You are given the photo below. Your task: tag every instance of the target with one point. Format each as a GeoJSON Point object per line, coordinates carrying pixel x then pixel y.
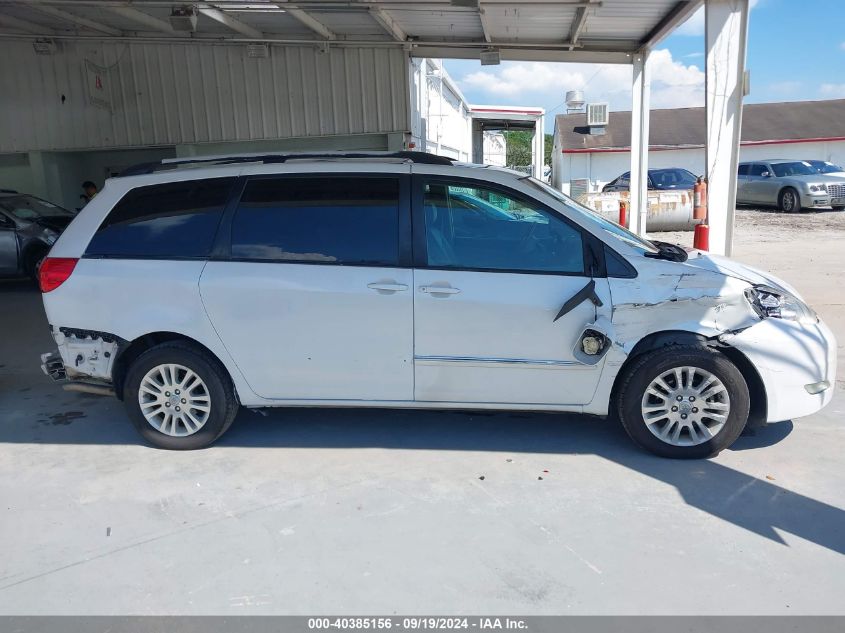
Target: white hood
{"type": "Point", "coordinates": [731, 268]}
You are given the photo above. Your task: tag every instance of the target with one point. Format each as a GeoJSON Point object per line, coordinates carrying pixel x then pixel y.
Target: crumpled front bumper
{"type": "Point", "coordinates": [793, 359]}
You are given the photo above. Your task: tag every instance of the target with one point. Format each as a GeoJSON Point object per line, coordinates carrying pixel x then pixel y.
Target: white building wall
{"type": "Point", "coordinates": [440, 118]}
{"type": "Point", "coordinates": [602, 167]}
{"type": "Point", "coordinates": [104, 95]}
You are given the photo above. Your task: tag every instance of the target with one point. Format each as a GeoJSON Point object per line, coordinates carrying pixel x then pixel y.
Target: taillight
{"type": "Point", "coordinates": [55, 271]}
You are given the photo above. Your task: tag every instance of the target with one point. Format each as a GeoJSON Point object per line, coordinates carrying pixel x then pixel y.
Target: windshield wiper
{"type": "Point", "coordinates": [671, 252]}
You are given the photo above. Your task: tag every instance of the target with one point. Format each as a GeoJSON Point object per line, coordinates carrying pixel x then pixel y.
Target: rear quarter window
{"type": "Point", "coordinates": [170, 220]}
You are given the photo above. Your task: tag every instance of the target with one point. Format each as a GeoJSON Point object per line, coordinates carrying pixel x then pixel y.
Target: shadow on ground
{"type": "Point", "coordinates": [35, 411]}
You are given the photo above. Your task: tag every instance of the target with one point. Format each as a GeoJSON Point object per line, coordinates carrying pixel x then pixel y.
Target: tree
{"type": "Point", "coordinates": [519, 147]}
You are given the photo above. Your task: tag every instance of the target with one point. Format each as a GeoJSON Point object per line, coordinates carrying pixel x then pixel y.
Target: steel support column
{"type": "Point", "coordinates": [640, 93]}
{"type": "Point", "coordinates": [726, 29]}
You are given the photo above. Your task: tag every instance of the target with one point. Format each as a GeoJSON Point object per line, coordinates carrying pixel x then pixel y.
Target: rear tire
{"type": "Point", "coordinates": [789, 201]}
{"type": "Point", "coordinates": [713, 400]}
{"type": "Point", "coordinates": [32, 262]}
{"type": "Point", "coordinates": [179, 397]}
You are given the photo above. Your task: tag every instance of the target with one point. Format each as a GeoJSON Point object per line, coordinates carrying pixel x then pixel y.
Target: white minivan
{"type": "Point", "coordinates": [192, 287]}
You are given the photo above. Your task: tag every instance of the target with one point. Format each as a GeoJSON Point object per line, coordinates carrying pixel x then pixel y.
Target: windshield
{"type": "Point", "coordinates": [824, 167]}
{"type": "Point", "coordinates": [31, 208]}
{"type": "Point", "coordinates": [611, 228]}
{"type": "Point", "coordinates": [672, 178]}
{"type": "Point", "coordinates": [798, 168]}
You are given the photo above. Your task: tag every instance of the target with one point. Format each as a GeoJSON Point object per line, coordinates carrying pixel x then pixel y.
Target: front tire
{"type": "Point", "coordinates": [179, 397]}
{"type": "Point", "coordinates": [789, 201]}
{"type": "Point", "coordinates": [683, 402]}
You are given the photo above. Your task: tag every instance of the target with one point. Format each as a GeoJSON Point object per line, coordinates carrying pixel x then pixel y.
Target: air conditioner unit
{"type": "Point", "coordinates": [183, 19]}
{"type": "Point", "coordinates": [597, 115]}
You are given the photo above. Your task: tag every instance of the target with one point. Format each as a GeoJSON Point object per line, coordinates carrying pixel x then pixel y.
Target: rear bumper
{"type": "Point", "coordinates": [796, 361]}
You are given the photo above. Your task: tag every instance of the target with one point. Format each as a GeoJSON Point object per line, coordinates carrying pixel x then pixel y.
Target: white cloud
{"type": "Point", "coordinates": [673, 84]}
{"type": "Point", "coordinates": [785, 88]}
{"type": "Point", "coordinates": [832, 91]}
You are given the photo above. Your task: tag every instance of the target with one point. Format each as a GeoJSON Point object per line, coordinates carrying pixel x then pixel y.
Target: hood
{"type": "Point", "coordinates": [731, 268]}
{"type": "Point", "coordinates": [815, 179]}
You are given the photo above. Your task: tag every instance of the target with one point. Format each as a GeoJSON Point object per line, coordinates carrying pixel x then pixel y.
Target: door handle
{"type": "Point", "coordinates": [387, 287]}
{"type": "Point", "coordinates": [440, 290]}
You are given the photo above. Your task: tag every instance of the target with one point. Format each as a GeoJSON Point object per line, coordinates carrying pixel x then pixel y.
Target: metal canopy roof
{"type": "Point", "coordinates": [545, 30]}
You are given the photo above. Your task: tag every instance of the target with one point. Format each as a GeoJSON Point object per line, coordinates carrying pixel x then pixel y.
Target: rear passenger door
{"type": "Point", "coordinates": [310, 289]}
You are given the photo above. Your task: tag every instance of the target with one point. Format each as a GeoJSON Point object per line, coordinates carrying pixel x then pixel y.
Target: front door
{"type": "Point", "coordinates": [313, 300]}
{"type": "Point", "coordinates": [8, 247]}
{"type": "Point", "coordinates": [492, 271]}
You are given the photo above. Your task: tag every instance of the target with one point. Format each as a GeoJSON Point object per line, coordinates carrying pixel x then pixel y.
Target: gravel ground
{"type": "Point", "coordinates": [769, 225]}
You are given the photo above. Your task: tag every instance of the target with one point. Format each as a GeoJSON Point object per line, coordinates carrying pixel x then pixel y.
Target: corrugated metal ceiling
{"type": "Point", "coordinates": [620, 26]}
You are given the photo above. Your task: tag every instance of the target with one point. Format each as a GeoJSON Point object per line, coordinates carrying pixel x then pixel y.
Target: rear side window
{"type": "Point", "coordinates": [332, 220]}
{"type": "Point", "coordinates": [175, 219]}
{"type": "Point", "coordinates": [742, 170]}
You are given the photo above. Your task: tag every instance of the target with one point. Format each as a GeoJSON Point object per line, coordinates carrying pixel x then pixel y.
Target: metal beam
{"type": "Point", "coordinates": [76, 19]}
{"type": "Point", "coordinates": [23, 25]}
{"type": "Point", "coordinates": [312, 23]}
{"type": "Point", "coordinates": [640, 98]}
{"type": "Point", "coordinates": [227, 20]}
{"type": "Point", "coordinates": [141, 18]}
{"type": "Point", "coordinates": [388, 23]}
{"type": "Point", "coordinates": [679, 14]}
{"type": "Point", "coordinates": [726, 33]}
{"type": "Point", "coordinates": [578, 24]}
{"type": "Point", "coordinates": [485, 22]}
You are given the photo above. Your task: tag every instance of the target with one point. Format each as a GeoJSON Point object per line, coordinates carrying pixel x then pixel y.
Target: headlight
{"type": "Point", "coordinates": [772, 303]}
{"type": "Point", "coordinates": [818, 188]}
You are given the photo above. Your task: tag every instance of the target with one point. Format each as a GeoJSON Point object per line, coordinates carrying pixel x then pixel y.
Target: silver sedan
{"type": "Point", "coordinates": [788, 184]}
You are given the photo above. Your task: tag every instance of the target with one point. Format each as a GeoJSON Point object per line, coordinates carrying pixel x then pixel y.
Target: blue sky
{"type": "Point", "coordinates": [796, 51]}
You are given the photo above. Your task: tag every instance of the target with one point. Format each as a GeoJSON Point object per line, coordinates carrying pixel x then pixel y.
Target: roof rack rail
{"type": "Point", "coordinates": [171, 163]}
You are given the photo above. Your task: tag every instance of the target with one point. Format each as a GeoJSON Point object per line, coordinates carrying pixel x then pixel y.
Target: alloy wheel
{"type": "Point", "coordinates": [174, 400]}
{"type": "Point", "coordinates": [685, 406]}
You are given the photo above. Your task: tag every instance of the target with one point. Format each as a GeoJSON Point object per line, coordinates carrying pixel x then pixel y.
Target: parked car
{"type": "Point", "coordinates": [826, 167]}
{"type": "Point", "coordinates": [263, 281]}
{"type": "Point", "coordinates": [28, 228]}
{"type": "Point", "coordinates": [790, 185]}
{"type": "Point", "coordinates": [672, 179]}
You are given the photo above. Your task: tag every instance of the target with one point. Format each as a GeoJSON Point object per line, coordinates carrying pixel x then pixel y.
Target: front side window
{"type": "Point", "coordinates": [326, 220]}
{"type": "Point", "coordinates": [757, 169]}
{"type": "Point", "coordinates": [470, 227]}
{"type": "Point", "coordinates": [174, 219]}
{"type": "Point", "coordinates": [798, 168]}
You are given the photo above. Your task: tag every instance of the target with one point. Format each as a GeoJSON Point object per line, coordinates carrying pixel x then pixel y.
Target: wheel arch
{"type": "Point", "coordinates": [147, 341]}
{"type": "Point", "coordinates": [657, 340]}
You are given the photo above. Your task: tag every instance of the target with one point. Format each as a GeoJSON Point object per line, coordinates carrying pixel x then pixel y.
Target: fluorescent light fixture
{"type": "Point", "coordinates": [252, 7]}
{"type": "Point", "coordinates": [490, 57]}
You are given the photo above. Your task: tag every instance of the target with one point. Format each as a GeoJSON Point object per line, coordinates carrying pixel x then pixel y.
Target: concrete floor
{"type": "Point", "coordinates": [381, 512]}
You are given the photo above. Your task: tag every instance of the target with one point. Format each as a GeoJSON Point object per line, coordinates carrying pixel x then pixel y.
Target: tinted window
{"type": "Point", "coordinates": [176, 219]}
{"type": "Point", "coordinates": [476, 228]}
{"type": "Point", "coordinates": [757, 169]}
{"type": "Point", "coordinates": [672, 178]}
{"type": "Point", "coordinates": [337, 220]}
{"type": "Point", "coordinates": [798, 168]}
{"type": "Point", "coordinates": [742, 170]}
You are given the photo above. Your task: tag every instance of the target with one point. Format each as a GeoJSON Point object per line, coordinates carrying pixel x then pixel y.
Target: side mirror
{"type": "Point", "coordinates": [765, 174]}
